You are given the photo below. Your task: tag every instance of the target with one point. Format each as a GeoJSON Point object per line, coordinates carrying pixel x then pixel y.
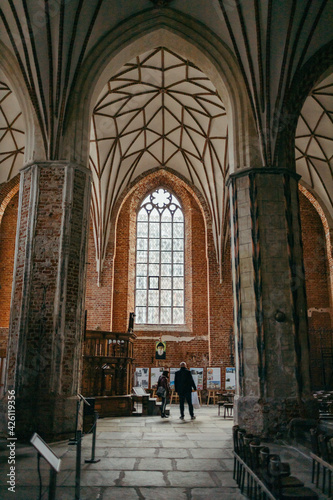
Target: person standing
{"type": "Point", "coordinates": [184, 384]}
{"type": "Point", "coordinates": [163, 382]}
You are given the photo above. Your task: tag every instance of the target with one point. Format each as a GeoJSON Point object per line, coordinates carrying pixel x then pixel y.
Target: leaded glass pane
{"type": "Point", "coordinates": [154, 216]}
{"type": "Point", "coordinates": [178, 298]}
{"type": "Point", "coordinates": [166, 216]}
{"type": "Point", "coordinates": [178, 283]}
{"type": "Point", "coordinates": [178, 270]}
{"type": "Point", "coordinates": [154, 257]}
{"type": "Point", "coordinates": [153, 297]}
{"type": "Point", "coordinates": [142, 215]}
{"type": "Point", "coordinates": [153, 315]}
{"type": "Point", "coordinates": [153, 282]}
{"type": "Point", "coordinates": [178, 315]}
{"type": "Point", "coordinates": [154, 269]}
{"type": "Point", "coordinates": [166, 257]}
{"type": "Point", "coordinates": [178, 257]}
{"type": "Point", "coordinates": [154, 230]}
{"type": "Point", "coordinates": [160, 228]}
{"type": "Point", "coordinates": [154, 244]}
{"type": "Point", "coordinates": [140, 315]}
{"type": "Point", "coordinates": [141, 298]}
{"type": "Point", "coordinates": [141, 269]}
{"type": "Point", "coordinates": [178, 216]}
{"type": "Point", "coordinates": [165, 269]}
{"type": "Point", "coordinates": [166, 315]}
{"type": "Point", "coordinates": [141, 282]}
{"type": "Point", "coordinates": [166, 297]}
{"type": "Point", "coordinates": [142, 244]}
{"type": "Point", "coordinates": [141, 256]}
{"type": "Point", "coordinates": [178, 230]}
{"type": "Point", "coordinates": [178, 244]}
{"type": "Point", "coordinates": [166, 228]}
{"type": "Point", "coordinates": [166, 283]}
{"type": "Point", "coordinates": [166, 244]}
{"type": "Point", "coordinates": [142, 229]}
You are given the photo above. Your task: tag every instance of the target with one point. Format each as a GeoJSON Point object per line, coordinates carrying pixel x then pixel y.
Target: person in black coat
{"type": "Point", "coordinates": [184, 384]}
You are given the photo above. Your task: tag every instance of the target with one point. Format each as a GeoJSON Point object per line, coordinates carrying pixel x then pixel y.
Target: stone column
{"type": "Point", "coordinates": [46, 324]}
{"type": "Point", "coordinates": [272, 351]}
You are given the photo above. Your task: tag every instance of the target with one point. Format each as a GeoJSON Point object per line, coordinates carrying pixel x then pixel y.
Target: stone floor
{"type": "Point", "coordinates": [144, 458]}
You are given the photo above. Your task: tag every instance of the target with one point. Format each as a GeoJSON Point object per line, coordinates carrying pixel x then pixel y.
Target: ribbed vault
{"type": "Point", "coordinates": [159, 110]}
{"type": "Point", "coordinates": [314, 142]}
{"type": "Point", "coordinates": [12, 135]}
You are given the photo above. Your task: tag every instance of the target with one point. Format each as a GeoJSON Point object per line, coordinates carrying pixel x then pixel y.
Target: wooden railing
{"type": "Point", "coordinates": [108, 344]}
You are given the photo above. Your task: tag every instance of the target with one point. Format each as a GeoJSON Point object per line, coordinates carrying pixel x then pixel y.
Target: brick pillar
{"type": "Point", "coordinates": [46, 323]}
{"type": "Point", "coordinates": [272, 352]}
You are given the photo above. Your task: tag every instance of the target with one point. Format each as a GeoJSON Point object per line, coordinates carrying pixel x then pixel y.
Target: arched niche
{"type": "Point", "coordinates": [189, 39]}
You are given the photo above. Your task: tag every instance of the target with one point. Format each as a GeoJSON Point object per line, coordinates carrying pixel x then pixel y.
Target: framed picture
{"type": "Point", "coordinates": [213, 378]}
{"type": "Point", "coordinates": [230, 378]}
{"type": "Point", "coordinates": [160, 350]}
{"type": "Point", "coordinates": [141, 377]}
{"type": "Point", "coordinates": [197, 374]}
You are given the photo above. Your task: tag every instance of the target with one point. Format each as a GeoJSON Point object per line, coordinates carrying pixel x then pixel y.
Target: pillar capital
{"type": "Point", "coordinates": [262, 171]}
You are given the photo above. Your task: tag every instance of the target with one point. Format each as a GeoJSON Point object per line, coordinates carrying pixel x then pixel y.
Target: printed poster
{"type": "Point", "coordinates": [213, 379]}
{"type": "Point", "coordinates": [141, 377]}
{"type": "Point", "coordinates": [197, 374]}
{"type": "Point", "coordinates": [172, 377]}
{"type": "Point", "coordinates": [155, 375]}
{"type": "Point", "coordinates": [230, 378]}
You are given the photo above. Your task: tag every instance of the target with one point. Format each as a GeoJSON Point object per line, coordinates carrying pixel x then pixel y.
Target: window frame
{"type": "Point", "coordinates": [149, 286]}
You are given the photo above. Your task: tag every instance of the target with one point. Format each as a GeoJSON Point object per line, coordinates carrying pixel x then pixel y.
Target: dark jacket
{"type": "Point", "coordinates": [164, 382]}
{"type": "Point", "coordinates": [184, 381]}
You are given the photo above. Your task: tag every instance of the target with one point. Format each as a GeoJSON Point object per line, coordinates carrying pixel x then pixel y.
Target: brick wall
{"type": "Point", "coordinates": [315, 266]}
{"type": "Point", "coordinates": [208, 334]}
{"type": "Point", "coordinates": [7, 248]}
{"type": "Point", "coordinates": [205, 339]}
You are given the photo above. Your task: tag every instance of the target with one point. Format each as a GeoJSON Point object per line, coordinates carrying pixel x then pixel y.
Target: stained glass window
{"type": "Point", "coordinates": [159, 291]}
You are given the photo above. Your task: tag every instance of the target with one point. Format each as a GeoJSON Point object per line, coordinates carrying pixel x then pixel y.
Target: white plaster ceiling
{"type": "Point", "coordinates": [12, 136]}
{"type": "Point", "coordinates": [51, 41]}
{"type": "Point", "coordinates": [158, 111]}
{"type": "Point", "coordinates": [314, 143]}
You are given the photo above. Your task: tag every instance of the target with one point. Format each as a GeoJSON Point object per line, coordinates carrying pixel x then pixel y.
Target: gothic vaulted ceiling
{"type": "Point", "coordinates": [180, 121]}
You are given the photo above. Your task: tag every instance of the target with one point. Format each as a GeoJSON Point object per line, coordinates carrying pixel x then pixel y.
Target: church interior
{"type": "Point", "coordinates": [166, 177]}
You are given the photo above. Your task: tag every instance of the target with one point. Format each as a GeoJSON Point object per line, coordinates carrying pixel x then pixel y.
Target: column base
{"type": "Point", "coordinates": [53, 418]}
{"type": "Point", "coordinates": [271, 417]}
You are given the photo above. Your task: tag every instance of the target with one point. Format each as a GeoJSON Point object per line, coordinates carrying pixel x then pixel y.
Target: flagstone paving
{"type": "Point", "coordinates": [142, 458]}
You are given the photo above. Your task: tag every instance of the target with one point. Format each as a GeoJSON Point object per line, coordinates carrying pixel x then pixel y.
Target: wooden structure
{"type": "Point", "coordinates": [107, 369]}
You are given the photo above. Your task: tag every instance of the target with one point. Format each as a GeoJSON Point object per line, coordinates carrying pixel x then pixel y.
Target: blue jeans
{"type": "Point", "coordinates": [188, 397]}
{"type": "Point", "coordinates": [163, 405]}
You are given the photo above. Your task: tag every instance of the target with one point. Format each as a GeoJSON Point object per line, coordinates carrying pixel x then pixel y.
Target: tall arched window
{"type": "Point", "coordinates": [159, 294]}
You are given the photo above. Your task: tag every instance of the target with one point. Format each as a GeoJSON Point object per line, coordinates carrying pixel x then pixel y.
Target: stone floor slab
{"type": "Point", "coordinates": [190, 479]}
{"type": "Point", "coordinates": [142, 478]}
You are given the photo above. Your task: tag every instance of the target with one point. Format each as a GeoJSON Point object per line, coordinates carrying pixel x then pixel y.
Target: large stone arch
{"type": "Point", "coordinates": [34, 148]}
{"type": "Point", "coordinates": [188, 38]}
{"type": "Point", "coordinates": [315, 69]}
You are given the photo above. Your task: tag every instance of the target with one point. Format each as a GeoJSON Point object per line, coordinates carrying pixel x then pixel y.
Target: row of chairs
{"type": "Point", "coordinates": [261, 474]}
{"type": "Point", "coordinates": [322, 460]}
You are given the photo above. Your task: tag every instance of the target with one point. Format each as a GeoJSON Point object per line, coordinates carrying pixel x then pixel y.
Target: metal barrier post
{"type": "Point", "coordinates": [78, 404]}
{"type": "Point", "coordinates": [53, 484]}
{"type": "Point", "coordinates": [93, 460]}
{"type": "Point", "coordinates": [78, 464]}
